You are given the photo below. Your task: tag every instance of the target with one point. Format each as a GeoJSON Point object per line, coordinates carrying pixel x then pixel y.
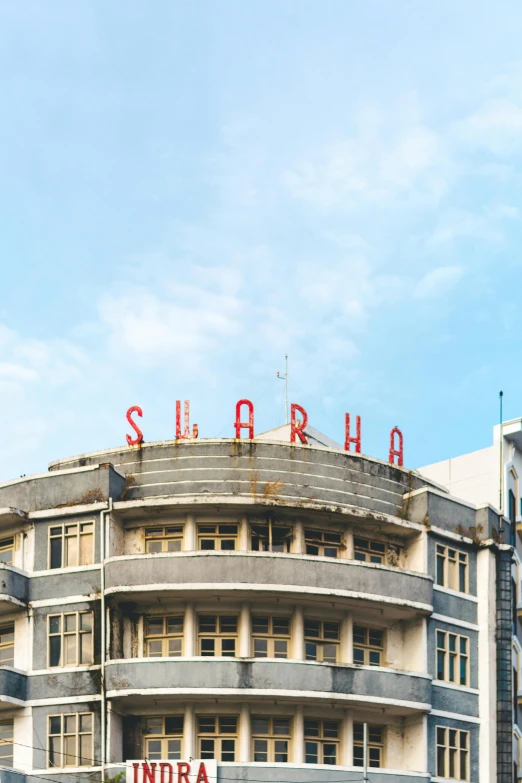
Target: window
{"type": "Point", "coordinates": [221, 537]}
{"type": "Point", "coordinates": [270, 637]}
{"type": "Point", "coordinates": [163, 539]}
{"type": "Point", "coordinates": [368, 645]}
{"type": "Point", "coordinates": [70, 740]}
{"type": "Point", "coordinates": [452, 753]}
{"type": "Point", "coordinates": [452, 568]}
{"type": "Point", "coordinates": [322, 543]}
{"type": "Point", "coordinates": [6, 743]}
{"type": "Point", "coordinates": [321, 640]}
{"type": "Point", "coordinates": [369, 551]}
{"type": "Point", "coordinates": [321, 741]}
{"type": "Point", "coordinates": [271, 537]}
{"type": "Point", "coordinates": [217, 635]}
{"type": "Point", "coordinates": [270, 739]}
{"type": "Point", "coordinates": [7, 644]}
{"type": "Point", "coordinates": [163, 637]}
{"type": "Point", "coordinates": [71, 545]}
{"type": "Point", "coordinates": [163, 738]}
{"type": "Point", "coordinates": [70, 639]}
{"type": "Point", "coordinates": [6, 550]}
{"type": "Point", "coordinates": [375, 745]}
{"type": "Point", "coordinates": [217, 738]}
{"type": "Point", "coordinates": [452, 658]}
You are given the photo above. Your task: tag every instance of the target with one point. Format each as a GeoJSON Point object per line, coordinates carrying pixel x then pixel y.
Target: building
{"type": "Point", "coordinates": [491, 475]}
{"type": "Point", "coordinates": [280, 607]}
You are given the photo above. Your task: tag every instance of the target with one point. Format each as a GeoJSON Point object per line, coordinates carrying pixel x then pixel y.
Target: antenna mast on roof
{"type": "Point", "coordinates": [285, 379]}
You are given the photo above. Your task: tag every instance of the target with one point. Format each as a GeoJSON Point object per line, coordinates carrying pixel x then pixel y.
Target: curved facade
{"type": "Point", "coordinates": [264, 604]}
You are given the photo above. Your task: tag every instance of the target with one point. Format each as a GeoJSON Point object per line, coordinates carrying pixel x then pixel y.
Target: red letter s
{"type": "Point", "coordinates": [139, 433]}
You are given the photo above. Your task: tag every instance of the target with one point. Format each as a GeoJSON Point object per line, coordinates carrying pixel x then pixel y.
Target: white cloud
{"type": "Point", "coordinates": [495, 126]}
{"type": "Point", "coordinates": [438, 282]}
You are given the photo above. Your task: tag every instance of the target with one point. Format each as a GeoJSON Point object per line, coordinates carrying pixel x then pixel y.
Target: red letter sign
{"type": "Point", "coordinates": [297, 428]}
{"type": "Point", "coordinates": [202, 774]}
{"type": "Point", "coordinates": [183, 772]}
{"type": "Point", "coordinates": [241, 425]}
{"type": "Point", "coordinates": [139, 433]}
{"type": "Point", "coordinates": [393, 451]}
{"type": "Point", "coordinates": [357, 440]}
{"type": "Point", "coordinates": [163, 767]}
{"type": "Point", "coordinates": [149, 773]}
{"type": "Point", "coordinates": [186, 422]}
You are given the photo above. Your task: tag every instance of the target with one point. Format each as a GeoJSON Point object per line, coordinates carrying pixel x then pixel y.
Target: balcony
{"type": "Point", "coordinates": [13, 688]}
{"type": "Point", "coordinates": [13, 589]}
{"type": "Point", "coordinates": [402, 692]}
{"type": "Point", "coordinates": [279, 573]}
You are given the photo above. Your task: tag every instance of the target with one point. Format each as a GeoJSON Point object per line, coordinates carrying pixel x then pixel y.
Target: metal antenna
{"type": "Point", "coordinates": [285, 379]}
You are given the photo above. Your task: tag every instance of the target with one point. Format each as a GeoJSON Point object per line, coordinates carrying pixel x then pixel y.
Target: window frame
{"type": "Point", "coordinates": [77, 735]}
{"type": "Point", "coordinates": [367, 647]}
{"type": "Point", "coordinates": [63, 536]}
{"type": "Point", "coordinates": [271, 738]}
{"type": "Point", "coordinates": [451, 567]}
{"type": "Point", "coordinates": [6, 743]}
{"type": "Point", "coordinates": [271, 637]}
{"type": "Point", "coordinates": [321, 740]}
{"type": "Point", "coordinates": [446, 747]}
{"type": "Point", "coordinates": [367, 551]}
{"type": "Point", "coordinates": [4, 547]}
{"type": "Point", "coordinates": [164, 637]}
{"type": "Point", "coordinates": [321, 641]}
{"type": "Point", "coordinates": [217, 736]}
{"type": "Point", "coordinates": [381, 745]}
{"type": "Point", "coordinates": [271, 525]}
{"type": "Point", "coordinates": [217, 635]}
{"type": "Point", "coordinates": [163, 737]}
{"type": "Point", "coordinates": [217, 536]}
{"type": "Point", "coordinates": [63, 633]}
{"type": "Point", "coordinates": [317, 540]}
{"type": "Point", "coordinates": [7, 645]}
{"type": "Point", "coordinates": [164, 538]}
{"type": "Point", "coordinates": [448, 655]}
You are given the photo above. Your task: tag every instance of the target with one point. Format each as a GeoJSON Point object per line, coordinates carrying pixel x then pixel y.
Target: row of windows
{"type": "Point", "coordinates": [73, 545]}
{"type": "Point", "coordinates": [70, 641]}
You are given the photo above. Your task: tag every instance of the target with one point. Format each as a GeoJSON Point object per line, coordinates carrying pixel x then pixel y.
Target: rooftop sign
{"type": "Point", "coordinates": [298, 425]}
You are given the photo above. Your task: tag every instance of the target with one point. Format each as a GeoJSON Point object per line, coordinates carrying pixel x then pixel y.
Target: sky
{"type": "Point", "coordinates": [190, 190]}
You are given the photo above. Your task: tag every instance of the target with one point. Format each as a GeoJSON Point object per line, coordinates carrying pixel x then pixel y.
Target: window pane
{"type": "Point", "coordinates": [329, 753]}
{"type": "Point", "coordinates": [312, 628]}
{"type": "Point", "coordinates": [260, 624]}
{"type": "Point", "coordinates": [86, 621]}
{"type": "Point", "coordinates": [175, 648]}
{"type": "Point", "coordinates": [331, 630]}
{"type": "Point", "coordinates": [260, 750]}
{"type": "Point", "coordinates": [86, 722]}
{"type": "Point", "coordinates": [206, 725]}
{"type": "Point", "coordinates": [86, 549]}
{"type": "Point", "coordinates": [228, 648]}
{"type": "Point", "coordinates": [55, 725]}
{"type": "Point", "coordinates": [153, 749]}
{"type": "Point", "coordinates": [228, 750]}
{"type": "Point", "coordinates": [311, 728]}
{"type": "Point", "coordinates": [154, 626]}
{"type": "Point", "coordinates": [56, 553]}
{"type": "Point", "coordinates": [70, 650]}
{"type": "Point", "coordinates": [311, 752]}
{"type": "Point", "coordinates": [228, 624]}
{"type": "Point", "coordinates": [55, 752]}
{"type": "Point", "coordinates": [207, 748]}
{"type": "Point", "coordinates": [155, 649]}
{"type": "Point", "coordinates": [260, 725]}
{"type": "Point", "coordinates": [311, 651]}
{"type": "Point", "coordinates": [71, 551]}
{"type": "Point", "coordinates": [207, 624]}
{"type": "Point", "coordinates": [69, 724]}
{"type": "Point", "coordinates": [174, 749]}
{"type": "Point", "coordinates": [207, 647]}
{"type": "Point", "coordinates": [86, 648]}
{"type": "Point", "coordinates": [281, 625]}
{"type": "Point", "coordinates": [228, 725]}
{"type": "Point", "coordinates": [280, 649]}
{"type": "Point", "coordinates": [70, 622]}
{"type": "Point", "coordinates": [281, 751]}
{"type": "Point", "coordinates": [330, 653]}
{"type": "Point", "coordinates": [260, 648]}
{"type": "Point", "coordinates": [69, 752]}
{"type": "Point", "coordinates": [86, 750]}
{"type": "Point", "coordinates": [174, 725]}
{"type": "Point", "coordinates": [175, 625]}
{"type": "Point", "coordinates": [55, 650]}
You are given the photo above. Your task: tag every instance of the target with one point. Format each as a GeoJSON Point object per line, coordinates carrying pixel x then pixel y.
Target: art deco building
{"type": "Point", "coordinates": [293, 611]}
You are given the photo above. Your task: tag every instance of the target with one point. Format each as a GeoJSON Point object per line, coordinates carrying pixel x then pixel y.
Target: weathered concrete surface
{"type": "Point", "coordinates": [56, 490]}
{"type": "Point", "coordinates": [12, 585]}
{"type": "Point", "coordinates": [244, 468]}
{"type": "Point", "coordinates": [272, 570]}
{"type": "Point", "coordinates": [210, 673]}
{"type": "Point", "coordinates": [12, 684]}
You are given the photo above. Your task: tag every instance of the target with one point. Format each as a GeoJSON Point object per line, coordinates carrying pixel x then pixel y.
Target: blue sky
{"type": "Point", "coordinates": [190, 190]}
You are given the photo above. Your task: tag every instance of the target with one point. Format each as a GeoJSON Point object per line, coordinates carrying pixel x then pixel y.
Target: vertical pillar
{"type": "Point", "coordinates": [189, 534]}
{"type": "Point", "coordinates": [244, 733]}
{"type": "Point", "coordinates": [244, 534]}
{"type": "Point", "coordinates": [298, 645]}
{"type": "Point", "coordinates": [244, 631]}
{"type": "Point", "coordinates": [189, 632]}
{"type": "Point", "coordinates": [347, 539]}
{"type": "Point", "coordinates": [189, 733]}
{"type": "Point", "coordinates": [298, 741]}
{"type": "Point", "coordinates": [298, 544]}
{"type": "Point", "coordinates": [346, 754]}
{"type": "Point", "coordinates": [347, 639]}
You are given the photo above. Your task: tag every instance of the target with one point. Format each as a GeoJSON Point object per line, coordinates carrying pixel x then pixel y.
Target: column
{"type": "Point", "coordinates": [244, 534]}
{"type": "Point", "coordinates": [244, 631]}
{"type": "Point", "coordinates": [189, 733]}
{"type": "Point", "coordinates": [298, 646]}
{"type": "Point", "coordinates": [298, 544]}
{"type": "Point", "coordinates": [189, 631]}
{"type": "Point", "coordinates": [244, 733]}
{"type": "Point", "coordinates": [346, 651]}
{"type": "Point", "coordinates": [347, 552]}
{"type": "Point", "coordinates": [346, 754]}
{"type": "Point", "coordinates": [189, 534]}
{"type": "Point", "coordinates": [298, 737]}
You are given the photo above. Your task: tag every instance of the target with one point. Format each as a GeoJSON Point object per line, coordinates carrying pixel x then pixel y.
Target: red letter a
{"type": "Point", "coordinates": [202, 774]}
